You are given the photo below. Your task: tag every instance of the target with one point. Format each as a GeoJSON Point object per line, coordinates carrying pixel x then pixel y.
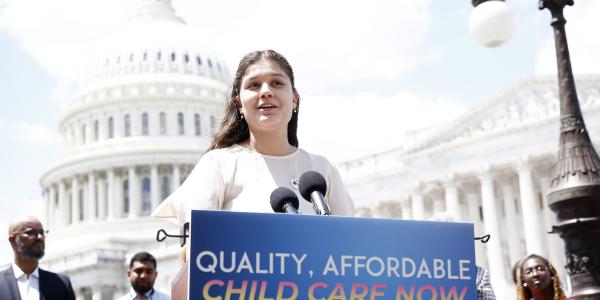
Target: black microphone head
{"type": "Point", "coordinates": [281, 196]}
{"type": "Point", "coordinates": [311, 181]}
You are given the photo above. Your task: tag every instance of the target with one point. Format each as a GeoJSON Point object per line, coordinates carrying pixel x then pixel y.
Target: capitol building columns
{"type": "Point", "coordinates": [406, 209]}
{"type": "Point", "coordinates": [418, 206]}
{"type": "Point", "coordinates": [532, 222]}
{"type": "Point", "coordinates": [92, 202]}
{"type": "Point", "coordinates": [96, 293]}
{"type": "Point", "coordinates": [176, 177]}
{"type": "Point", "coordinates": [505, 200]}
{"type": "Point", "coordinates": [52, 207]}
{"type": "Point", "coordinates": [111, 194]}
{"type": "Point", "coordinates": [154, 186]}
{"type": "Point", "coordinates": [127, 192]}
{"type": "Point", "coordinates": [490, 218]}
{"type": "Point", "coordinates": [451, 194]}
{"type": "Point", "coordinates": [511, 217]}
{"type": "Point", "coordinates": [63, 215]}
{"type": "Point", "coordinates": [472, 201]}
{"type": "Point", "coordinates": [101, 199]}
{"type": "Point", "coordinates": [133, 201]}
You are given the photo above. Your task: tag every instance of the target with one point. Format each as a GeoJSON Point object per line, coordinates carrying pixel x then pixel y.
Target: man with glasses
{"type": "Point", "coordinates": [24, 280]}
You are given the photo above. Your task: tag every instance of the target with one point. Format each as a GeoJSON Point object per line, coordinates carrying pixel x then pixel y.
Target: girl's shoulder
{"type": "Point", "coordinates": [224, 153]}
{"type": "Point", "coordinates": [315, 159]}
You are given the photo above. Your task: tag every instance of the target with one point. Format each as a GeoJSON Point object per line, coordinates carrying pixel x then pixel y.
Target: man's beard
{"type": "Point", "coordinates": [30, 253]}
{"type": "Point", "coordinates": [141, 289]}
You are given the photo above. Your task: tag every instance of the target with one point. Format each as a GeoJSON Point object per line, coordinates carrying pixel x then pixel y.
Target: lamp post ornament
{"type": "Point", "coordinates": [574, 195]}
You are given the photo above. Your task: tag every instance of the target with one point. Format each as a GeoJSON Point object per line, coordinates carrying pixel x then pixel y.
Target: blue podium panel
{"type": "Point", "coordinates": [271, 256]}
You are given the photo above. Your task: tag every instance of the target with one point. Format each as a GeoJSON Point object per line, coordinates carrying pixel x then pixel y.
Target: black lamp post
{"type": "Point", "coordinates": [574, 194]}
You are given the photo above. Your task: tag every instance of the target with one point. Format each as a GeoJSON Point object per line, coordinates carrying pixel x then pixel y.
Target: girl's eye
{"type": "Point", "coordinates": [277, 83]}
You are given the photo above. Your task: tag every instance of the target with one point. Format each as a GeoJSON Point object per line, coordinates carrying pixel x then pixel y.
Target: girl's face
{"type": "Point", "coordinates": [536, 274]}
{"type": "Point", "coordinates": [267, 97]}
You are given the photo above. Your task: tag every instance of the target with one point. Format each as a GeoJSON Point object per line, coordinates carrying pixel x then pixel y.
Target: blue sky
{"type": "Point", "coordinates": [371, 68]}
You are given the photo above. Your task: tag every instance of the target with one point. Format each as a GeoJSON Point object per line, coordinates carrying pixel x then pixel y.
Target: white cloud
{"type": "Point", "coordinates": [330, 43]}
{"type": "Point", "coordinates": [584, 40]}
{"type": "Point", "coordinates": [344, 127]}
{"type": "Point", "coordinates": [57, 33]}
{"type": "Point", "coordinates": [30, 135]}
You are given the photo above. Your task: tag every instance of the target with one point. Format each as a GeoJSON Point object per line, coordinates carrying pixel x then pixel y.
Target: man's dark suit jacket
{"type": "Point", "coordinates": [52, 286]}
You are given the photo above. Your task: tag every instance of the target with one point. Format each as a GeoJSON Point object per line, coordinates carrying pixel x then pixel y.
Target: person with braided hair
{"type": "Point", "coordinates": [538, 280]}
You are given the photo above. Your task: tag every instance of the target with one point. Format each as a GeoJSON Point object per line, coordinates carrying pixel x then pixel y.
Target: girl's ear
{"type": "Point", "coordinates": [296, 99]}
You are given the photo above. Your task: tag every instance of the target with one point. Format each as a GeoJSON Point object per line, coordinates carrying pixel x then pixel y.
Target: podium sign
{"type": "Point", "coordinates": [272, 256]}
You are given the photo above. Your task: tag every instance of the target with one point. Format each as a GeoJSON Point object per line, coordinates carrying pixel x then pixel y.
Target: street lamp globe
{"type": "Point", "coordinates": [491, 23]}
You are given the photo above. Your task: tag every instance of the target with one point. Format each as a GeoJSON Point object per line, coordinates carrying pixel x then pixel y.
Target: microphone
{"type": "Point", "coordinates": [284, 200]}
{"type": "Point", "coordinates": [312, 187]}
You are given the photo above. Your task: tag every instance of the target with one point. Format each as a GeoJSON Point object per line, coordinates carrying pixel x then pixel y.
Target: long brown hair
{"type": "Point", "coordinates": [523, 293]}
{"type": "Point", "coordinates": [233, 128]}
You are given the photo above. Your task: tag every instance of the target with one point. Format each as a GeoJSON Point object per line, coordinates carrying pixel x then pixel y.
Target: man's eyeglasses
{"type": "Point", "coordinates": [32, 233]}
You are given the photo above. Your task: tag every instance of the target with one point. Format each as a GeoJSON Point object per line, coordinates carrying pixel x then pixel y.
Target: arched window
{"type": "Point", "coordinates": [145, 124]}
{"type": "Point", "coordinates": [96, 130]}
{"type": "Point", "coordinates": [186, 58]}
{"type": "Point", "coordinates": [173, 56]}
{"type": "Point", "coordinates": [209, 63]}
{"type": "Point", "coordinates": [55, 211]}
{"type": "Point", "coordinates": [199, 60]}
{"type": "Point", "coordinates": [127, 124]}
{"type": "Point", "coordinates": [83, 134]}
{"type": "Point", "coordinates": [145, 56]}
{"type": "Point", "coordinates": [111, 128]}
{"type": "Point", "coordinates": [197, 124]}
{"type": "Point", "coordinates": [118, 60]}
{"type": "Point", "coordinates": [163, 123]}
{"type": "Point", "coordinates": [131, 57]}
{"type": "Point", "coordinates": [126, 196]}
{"type": "Point", "coordinates": [146, 198]}
{"type": "Point", "coordinates": [81, 201]}
{"type": "Point", "coordinates": [73, 138]}
{"type": "Point", "coordinates": [180, 127]}
{"type": "Point", "coordinates": [97, 202]}
{"type": "Point", "coordinates": [69, 207]}
{"type": "Point", "coordinates": [158, 56]}
{"type": "Point", "coordinates": [165, 188]}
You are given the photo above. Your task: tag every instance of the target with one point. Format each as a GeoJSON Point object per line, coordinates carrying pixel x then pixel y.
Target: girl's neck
{"type": "Point", "coordinates": [273, 145]}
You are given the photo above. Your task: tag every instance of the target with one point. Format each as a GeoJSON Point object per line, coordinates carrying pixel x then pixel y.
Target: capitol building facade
{"type": "Point", "coordinates": [140, 121]}
{"type": "Point", "coordinates": [152, 99]}
{"type": "Point", "coordinates": [492, 167]}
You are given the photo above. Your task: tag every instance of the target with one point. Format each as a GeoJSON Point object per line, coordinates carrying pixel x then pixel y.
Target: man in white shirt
{"type": "Point", "coordinates": [24, 280]}
{"type": "Point", "coordinates": [142, 274]}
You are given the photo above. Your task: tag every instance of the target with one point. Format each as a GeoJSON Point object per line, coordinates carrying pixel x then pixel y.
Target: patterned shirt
{"type": "Point", "coordinates": [484, 286]}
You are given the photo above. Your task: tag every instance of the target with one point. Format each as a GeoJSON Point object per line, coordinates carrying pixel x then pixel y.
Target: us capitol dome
{"type": "Point", "coordinates": [141, 119]}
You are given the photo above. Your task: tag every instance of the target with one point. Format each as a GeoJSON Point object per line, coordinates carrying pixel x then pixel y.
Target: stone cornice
{"type": "Point", "coordinates": [141, 151]}
{"type": "Point", "coordinates": [148, 94]}
{"type": "Point", "coordinates": [393, 163]}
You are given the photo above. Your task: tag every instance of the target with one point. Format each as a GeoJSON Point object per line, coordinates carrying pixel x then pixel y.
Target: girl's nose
{"type": "Point", "coordinates": [265, 90]}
